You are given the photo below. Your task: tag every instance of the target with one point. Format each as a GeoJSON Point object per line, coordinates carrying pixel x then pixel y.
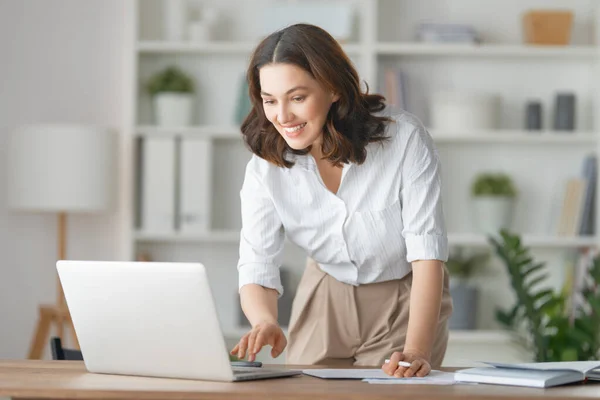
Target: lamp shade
{"type": "Point", "coordinates": [61, 168]}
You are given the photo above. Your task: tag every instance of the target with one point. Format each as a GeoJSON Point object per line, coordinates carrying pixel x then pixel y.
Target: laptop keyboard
{"type": "Point", "coordinates": [246, 370]}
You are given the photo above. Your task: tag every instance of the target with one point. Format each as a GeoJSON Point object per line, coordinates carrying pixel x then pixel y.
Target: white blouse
{"type": "Point", "coordinates": [386, 213]}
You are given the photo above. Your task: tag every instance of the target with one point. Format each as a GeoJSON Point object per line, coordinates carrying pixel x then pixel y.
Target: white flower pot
{"type": "Point", "coordinates": [492, 213]}
{"type": "Point", "coordinates": [173, 109]}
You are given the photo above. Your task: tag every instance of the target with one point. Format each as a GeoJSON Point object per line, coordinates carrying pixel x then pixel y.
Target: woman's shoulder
{"type": "Point", "coordinates": [259, 166]}
{"type": "Point", "coordinates": [404, 126]}
{"type": "Point", "coordinates": [263, 168]}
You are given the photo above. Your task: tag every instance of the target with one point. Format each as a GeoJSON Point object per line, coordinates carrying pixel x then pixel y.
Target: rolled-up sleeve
{"type": "Point", "coordinates": [424, 228]}
{"type": "Point", "coordinates": [262, 235]}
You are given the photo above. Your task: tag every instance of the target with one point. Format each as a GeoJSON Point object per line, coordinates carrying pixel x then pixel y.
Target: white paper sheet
{"type": "Point", "coordinates": [347, 373]}
{"type": "Point", "coordinates": [434, 378]}
{"type": "Point", "coordinates": [378, 376]}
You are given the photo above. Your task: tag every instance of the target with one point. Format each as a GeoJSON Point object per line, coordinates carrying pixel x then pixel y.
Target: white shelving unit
{"type": "Point", "coordinates": [221, 47]}
{"type": "Point", "coordinates": [540, 162]}
{"type": "Point", "coordinates": [494, 50]}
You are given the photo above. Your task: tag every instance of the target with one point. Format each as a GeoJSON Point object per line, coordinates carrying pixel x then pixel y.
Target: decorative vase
{"type": "Point", "coordinates": [464, 300]}
{"type": "Point", "coordinates": [175, 17]}
{"type": "Point", "coordinates": [173, 109]}
{"type": "Point", "coordinates": [564, 112]}
{"type": "Point", "coordinates": [533, 116]}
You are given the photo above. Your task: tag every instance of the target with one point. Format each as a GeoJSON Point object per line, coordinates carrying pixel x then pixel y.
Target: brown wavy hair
{"type": "Point", "coordinates": [350, 124]}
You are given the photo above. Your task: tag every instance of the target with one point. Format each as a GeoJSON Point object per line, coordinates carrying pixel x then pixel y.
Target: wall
{"type": "Point", "coordinates": [62, 61]}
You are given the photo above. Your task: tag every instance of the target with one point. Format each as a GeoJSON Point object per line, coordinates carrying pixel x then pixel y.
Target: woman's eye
{"type": "Point", "coordinates": [268, 102]}
{"type": "Point", "coordinates": [298, 99]}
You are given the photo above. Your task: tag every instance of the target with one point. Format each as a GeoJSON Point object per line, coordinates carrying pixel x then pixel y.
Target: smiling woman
{"type": "Point", "coordinates": [356, 186]}
{"type": "Point", "coordinates": [301, 75]}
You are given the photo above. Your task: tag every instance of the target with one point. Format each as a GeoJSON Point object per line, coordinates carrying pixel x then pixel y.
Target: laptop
{"type": "Point", "coordinates": [150, 319]}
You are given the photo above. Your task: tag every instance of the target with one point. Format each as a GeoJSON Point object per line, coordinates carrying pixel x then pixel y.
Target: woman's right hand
{"type": "Point", "coordinates": [261, 334]}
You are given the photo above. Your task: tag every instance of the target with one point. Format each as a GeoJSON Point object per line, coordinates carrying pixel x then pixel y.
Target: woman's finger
{"type": "Point", "coordinates": [259, 342]}
{"type": "Point", "coordinates": [279, 346]}
{"type": "Point", "coordinates": [391, 367]}
{"type": "Point", "coordinates": [242, 346]}
{"type": "Point", "coordinates": [251, 343]}
{"type": "Point", "coordinates": [235, 349]}
{"type": "Point", "coordinates": [400, 372]}
{"type": "Point", "coordinates": [414, 367]}
{"type": "Point", "coordinates": [425, 370]}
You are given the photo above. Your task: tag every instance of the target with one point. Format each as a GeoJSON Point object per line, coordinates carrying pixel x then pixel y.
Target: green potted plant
{"type": "Point", "coordinates": [493, 197]}
{"type": "Point", "coordinates": [462, 266]}
{"type": "Point", "coordinates": [553, 326]}
{"type": "Point", "coordinates": [172, 95]}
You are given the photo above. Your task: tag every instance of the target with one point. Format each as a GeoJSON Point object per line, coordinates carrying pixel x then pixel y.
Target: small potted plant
{"type": "Point", "coordinates": [462, 266]}
{"type": "Point", "coordinates": [493, 202]}
{"type": "Point", "coordinates": [172, 95]}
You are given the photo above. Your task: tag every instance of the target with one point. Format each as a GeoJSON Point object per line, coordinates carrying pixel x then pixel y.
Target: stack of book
{"type": "Point", "coordinates": [540, 375]}
{"type": "Point", "coordinates": [578, 212]}
{"type": "Point", "coordinates": [447, 33]}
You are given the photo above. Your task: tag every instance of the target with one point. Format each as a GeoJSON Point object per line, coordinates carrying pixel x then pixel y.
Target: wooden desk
{"type": "Point", "coordinates": [29, 379]}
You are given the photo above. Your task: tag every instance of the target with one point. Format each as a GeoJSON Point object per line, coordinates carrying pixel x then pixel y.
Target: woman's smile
{"type": "Point", "coordinates": [294, 131]}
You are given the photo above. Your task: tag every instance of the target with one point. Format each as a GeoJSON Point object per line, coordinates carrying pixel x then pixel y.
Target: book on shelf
{"type": "Point", "coordinates": [394, 87]}
{"type": "Point", "coordinates": [590, 174]}
{"type": "Point", "coordinates": [571, 207]}
{"type": "Point", "coordinates": [578, 279]}
{"type": "Point", "coordinates": [578, 204]}
{"type": "Point", "coordinates": [195, 182]}
{"type": "Point", "coordinates": [243, 104]}
{"type": "Point", "coordinates": [540, 375]}
{"type": "Point", "coordinates": [175, 185]}
{"type": "Point", "coordinates": [157, 175]}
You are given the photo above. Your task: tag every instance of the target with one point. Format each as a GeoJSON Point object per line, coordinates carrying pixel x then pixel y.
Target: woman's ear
{"type": "Point", "coordinates": [334, 97]}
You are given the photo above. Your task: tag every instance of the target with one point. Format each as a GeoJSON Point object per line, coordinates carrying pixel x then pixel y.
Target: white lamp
{"type": "Point", "coordinates": [59, 169]}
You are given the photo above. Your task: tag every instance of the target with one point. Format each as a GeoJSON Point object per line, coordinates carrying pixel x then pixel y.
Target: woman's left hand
{"type": "Point", "coordinates": [419, 365]}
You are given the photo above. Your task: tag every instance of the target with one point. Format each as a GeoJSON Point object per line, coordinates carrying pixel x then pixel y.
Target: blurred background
{"type": "Point", "coordinates": [140, 103]}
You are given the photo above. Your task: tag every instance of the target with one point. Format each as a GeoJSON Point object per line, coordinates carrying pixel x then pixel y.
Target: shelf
{"type": "Point", "coordinates": [208, 237]}
{"type": "Point", "coordinates": [382, 48]}
{"type": "Point", "coordinates": [514, 136]}
{"type": "Point", "coordinates": [223, 47]}
{"type": "Point", "coordinates": [539, 241]}
{"type": "Point", "coordinates": [202, 131]}
{"type": "Point", "coordinates": [485, 50]}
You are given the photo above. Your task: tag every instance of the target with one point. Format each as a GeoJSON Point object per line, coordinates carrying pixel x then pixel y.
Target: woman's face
{"type": "Point", "coordinates": [295, 103]}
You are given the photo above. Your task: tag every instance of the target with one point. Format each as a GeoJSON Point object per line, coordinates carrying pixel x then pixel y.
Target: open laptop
{"type": "Point", "coordinates": [150, 319]}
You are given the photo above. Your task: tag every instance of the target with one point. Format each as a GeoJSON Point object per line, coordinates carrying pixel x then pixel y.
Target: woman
{"type": "Point", "coordinates": [358, 188]}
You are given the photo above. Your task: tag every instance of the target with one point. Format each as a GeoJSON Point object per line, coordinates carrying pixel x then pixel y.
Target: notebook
{"type": "Point", "coordinates": [541, 375]}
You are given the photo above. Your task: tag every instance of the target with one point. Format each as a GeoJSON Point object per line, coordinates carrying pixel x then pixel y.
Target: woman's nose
{"type": "Point", "coordinates": [284, 115]}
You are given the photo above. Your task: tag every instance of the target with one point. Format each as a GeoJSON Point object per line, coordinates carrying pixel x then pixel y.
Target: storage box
{"type": "Point", "coordinates": [550, 27]}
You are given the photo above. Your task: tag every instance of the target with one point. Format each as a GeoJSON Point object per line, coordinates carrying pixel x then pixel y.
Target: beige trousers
{"type": "Point", "coordinates": [333, 323]}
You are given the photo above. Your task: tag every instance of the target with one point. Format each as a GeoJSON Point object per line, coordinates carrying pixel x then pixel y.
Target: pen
{"type": "Point", "coordinates": [400, 363]}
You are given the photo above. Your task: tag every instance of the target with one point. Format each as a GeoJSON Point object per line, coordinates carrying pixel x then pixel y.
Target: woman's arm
{"type": "Point", "coordinates": [259, 304]}
{"type": "Point", "coordinates": [425, 303]}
